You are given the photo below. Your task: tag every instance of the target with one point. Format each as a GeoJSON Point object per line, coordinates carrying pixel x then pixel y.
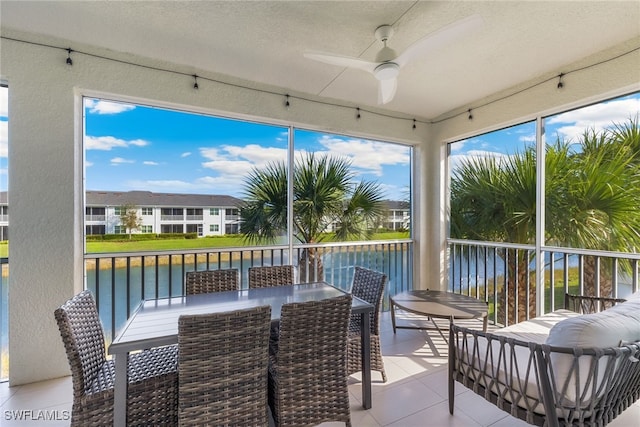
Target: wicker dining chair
{"type": "Point", "coordinates": [368, 285]}
{"type": "Point", "coordinates": [307, 365]}
{"type": "Point", "coordinates": [222, 368]}
{"type": "Point", "coordinates": [153, 382]}
{"type": "Point", "coordinates": [208, 281]}
{"type": "Point", "coordinates": [270, 275]}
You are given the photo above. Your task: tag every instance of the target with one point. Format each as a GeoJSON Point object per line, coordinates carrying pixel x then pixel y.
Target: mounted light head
{"type": "Point", "coordinates": [386, 71]}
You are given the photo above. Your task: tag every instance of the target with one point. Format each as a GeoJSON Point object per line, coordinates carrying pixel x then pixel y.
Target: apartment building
{"type": "Point", "coordinates": [398, 215]}
{"type": "Point", "coordinates": [204, 214]}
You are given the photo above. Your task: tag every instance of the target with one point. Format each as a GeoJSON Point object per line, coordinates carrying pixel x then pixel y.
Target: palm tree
{"type": "Point", "coordinates": [327, 203]}
{"type": "Point", "coordinates": [592, 195]}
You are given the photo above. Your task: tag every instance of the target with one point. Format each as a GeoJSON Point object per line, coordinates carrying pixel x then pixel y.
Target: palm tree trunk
{"type": "Point", "coordinates": [517, 284]}
{"type": "Point", "coordinates": [311, 266]}
{"type": "Point", "coordinates": [591, 277]}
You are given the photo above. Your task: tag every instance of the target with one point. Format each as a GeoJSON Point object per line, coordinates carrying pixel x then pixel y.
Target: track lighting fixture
{"type": "Point", "coordinates": [69, 60]}
{"type": "Point", "coordinates": [195, 82]}
{"type": "Point", "coordinates": [358, 113]}
{"type": "Point", "coordinates": [470, 117]}
{"type": "Point", "coordinates": [286, 101]}
{"type": "Point", "coordinates": [560, 84]}
{"type": "Point", "coordinates": [414, 123]}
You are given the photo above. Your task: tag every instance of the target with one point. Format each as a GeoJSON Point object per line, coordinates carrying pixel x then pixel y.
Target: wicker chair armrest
{"type": "Point", "coordinates": [499, 368]}
{"type": "Point", "coordinates": [584, 304]}
{"type": "Point", "coordinates": [531, 380]}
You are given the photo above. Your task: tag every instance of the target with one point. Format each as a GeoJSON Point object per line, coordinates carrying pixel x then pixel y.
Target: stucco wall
{"type": "Point", "coordinates": [45, 168]}
{"type": "Point", "coordinates": [592, 83]}
{"type": "Point", "coordinates": [45, 163]}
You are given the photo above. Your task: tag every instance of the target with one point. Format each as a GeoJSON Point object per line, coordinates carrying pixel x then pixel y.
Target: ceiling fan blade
{"type": "Point", "coordinates": [342, 61]}
{"type": "Point", "coordinates": [440, 38]}
{"type": "Point", "coordinates": [387, 90]}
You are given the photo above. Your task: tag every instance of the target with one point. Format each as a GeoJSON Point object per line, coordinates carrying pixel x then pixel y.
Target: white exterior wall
{"type": "Point", "coordinates": [46, 168]}
{"type": "Point", "coordinates": [46, 164]}
{"type": "Point", "coordinates": [155, 220]}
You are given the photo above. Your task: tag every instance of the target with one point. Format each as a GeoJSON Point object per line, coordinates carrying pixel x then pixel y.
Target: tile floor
{"type": "Point", "coordinates": [415, 393]}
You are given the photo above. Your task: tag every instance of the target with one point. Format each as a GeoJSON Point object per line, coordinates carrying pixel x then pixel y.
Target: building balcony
{"type": "Point", "coordinates": [415, 360]}
{"type": "Point", "coordinates": [171, 217]}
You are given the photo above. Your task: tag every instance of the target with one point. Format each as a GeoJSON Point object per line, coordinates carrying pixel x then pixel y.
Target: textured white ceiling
{"type": "Point", "coordinates": [264, 41]}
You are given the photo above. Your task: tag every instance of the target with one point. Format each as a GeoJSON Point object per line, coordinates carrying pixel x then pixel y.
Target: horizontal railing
{"type": "Point", "coordinates": [171, 217]}
{"type": "Point", "coordinates": [120, 281]}
{"type": "Point", "coordinates": [504, 275]}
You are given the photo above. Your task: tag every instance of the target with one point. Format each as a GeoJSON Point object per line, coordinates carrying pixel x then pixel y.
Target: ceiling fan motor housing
{"type": "Point", "coordinates": [386, 71]}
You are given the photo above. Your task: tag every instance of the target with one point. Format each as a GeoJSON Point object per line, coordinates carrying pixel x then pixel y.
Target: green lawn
{"type": "Point", "coordinates": [180, 244]}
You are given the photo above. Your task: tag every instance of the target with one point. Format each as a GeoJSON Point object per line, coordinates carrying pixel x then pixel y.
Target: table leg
{"type": "Point", "coordinates": [120, 390]}
{"type": "Point", "coordinates": [484, 323]}
{"type": "Point", "coordinates": [393, 314]}
{"type": "Point", "coordinates": [365, 336]}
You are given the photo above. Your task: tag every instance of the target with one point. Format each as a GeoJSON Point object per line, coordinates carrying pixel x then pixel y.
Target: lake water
{"type": "Point", "coordinates": [338, 270]}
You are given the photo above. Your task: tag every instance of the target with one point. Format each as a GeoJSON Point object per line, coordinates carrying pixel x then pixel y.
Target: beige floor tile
{"type": "Point", "coordinates": [474, 406]}
{"type": "Point", "coordinates": [629, 418]}
{"type": "Point", "coordinates": [399, 401]}
{"type": "Point", "coordinates": [41, 395]}
{"type": "Point", "coordinates": [415, 394]}
{"type": "Point", "coordinates": [436, 416]}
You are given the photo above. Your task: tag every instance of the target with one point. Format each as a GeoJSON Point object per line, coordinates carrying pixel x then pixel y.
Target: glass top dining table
{"type": "Point", "coordinates": [155, 323]}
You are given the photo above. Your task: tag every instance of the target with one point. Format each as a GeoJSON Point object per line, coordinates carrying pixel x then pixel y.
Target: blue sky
{"type": "Point", "coordinates": [568, 126]}
{"type": "Point", "coordinates": [142, 148]}
{"type": "Point", "coordinates": [4, 137]}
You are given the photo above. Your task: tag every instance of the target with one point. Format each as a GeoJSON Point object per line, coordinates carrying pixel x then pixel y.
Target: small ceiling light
{"type": "Point", "coordinates": [560, 84]}
{"type": "Point", "coordinates": [414, 123]}
{"type": "Point", "coordinates": [286, 101]}
{"type": "Point", "coordinates": [358, 113]}
{"type": "Point", "coordinates": [69, 60]}
{"type": "Point", "coordinates": [470, 117]}
{"type": "Point", "coordinates": [195, 82]}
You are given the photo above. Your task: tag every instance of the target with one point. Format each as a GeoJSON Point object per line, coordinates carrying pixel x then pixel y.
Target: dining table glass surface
{"type": "Point", "coordinates": [155, 323]}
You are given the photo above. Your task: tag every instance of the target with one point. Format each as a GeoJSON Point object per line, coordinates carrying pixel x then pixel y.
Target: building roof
{"type": "Point", "coordinates": [147, 198]}
{"type": "Point", "coordinates": [396, 204]}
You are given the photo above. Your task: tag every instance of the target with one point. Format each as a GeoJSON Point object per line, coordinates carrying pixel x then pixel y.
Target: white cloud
{"type": "Point", "coordinates": [458, 145]}
{"type": "Point", "coordinates": [106, 143]}
{"type": "Point", "coordinates": [218, 185]}
{"type": "Point", "coordinates": [597, 117]}
{"type": "Point", "coordinates": [370, 156]}
{"type": "Point", "coordinates": [457, 160]}
{"type": "Point", "coordinates": [139, 142]}
{"type": "Point", "coordinates": [527, 138]}
{"type": "Point", "coordinates": [150, 163]}
{"type": "Point", "coordinates": [88, 164]}
{"type": "Point", "coordinates": [4, 139]}
{"type": "Point", "coordinates": [165, 185]}
{"type": "Point", "coordinates": [4, 102]}
{"type": "Point", "coordinates": [186, 154]}
{"type": "Point", "coordinates": [106, 107]}
{"type": "Point", "coordinates": [238, 161]}
{"type": "Point", "coordinates": [230, 167]}
{"type": "Point", "coordinates": [365, 156]}
{"type": "Point", "coordinates": [119, 161]}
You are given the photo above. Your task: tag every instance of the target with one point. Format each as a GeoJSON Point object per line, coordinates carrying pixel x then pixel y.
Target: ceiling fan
{"type": "Point", "coordinates": [388, 63]}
